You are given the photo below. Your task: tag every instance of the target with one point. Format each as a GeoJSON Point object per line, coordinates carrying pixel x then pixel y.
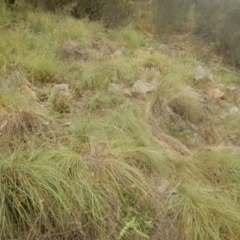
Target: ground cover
{"type": "Point", "coordinates": [132, 147]}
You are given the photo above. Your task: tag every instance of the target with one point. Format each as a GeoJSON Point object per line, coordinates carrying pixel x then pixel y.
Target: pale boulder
{"type": "Point", "coordinates": [202, 74]}
{"type": "Point", "coordinates": [215, 93]}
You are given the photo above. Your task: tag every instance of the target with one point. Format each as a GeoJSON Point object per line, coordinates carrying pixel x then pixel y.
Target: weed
{"type": "Point", "coordinates": [132, 225]}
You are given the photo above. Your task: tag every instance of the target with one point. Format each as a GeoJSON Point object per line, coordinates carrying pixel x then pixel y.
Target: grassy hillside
{"type": "Point", "coordinates": [102, 160]}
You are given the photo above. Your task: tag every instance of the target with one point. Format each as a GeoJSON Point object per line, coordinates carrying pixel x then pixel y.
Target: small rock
{"type": "Point", "coordinates": [66, 124]}
{"type": "Point", "coordinates": [61, 97]}
{"type": "Point", "coordinates": [46, 123]}
{"type": "Point", "coordinates": [59, 88]}
{"type": "Point", "coordinates": [155, 82]}
{"type": "Point", "coordinates": [30, 92]}
{"type": "Point", "coordinates": [231, 89]}
{"type": "Point", "coordinates": [70, 50]}
{"type": "Point", "coordinates": [41, 94]}
{"type": "Point", "coordinates": [127, 92]}
{"type": "Point", "coordinates": [193, 94]}
{"type": "Point", "coordinates": [201, 74]}
{"type": "Point", "coordinates": [115, 88]}
{"type": "Point", "coordinates": [4, 123]}
{"type": "Point", "coordinates": [117, 54]}
{"type": "Point", "coordinates": [160, 184]}
{"type": "Point", "coordinates": [234, 110]}
{"type": "Point", "coordinates": [143, 87]}
{"type": "Point", "coordinates": [215, 93]}
{"type": "Point", "coordinates": [163, 187]}
{"type": "Point", "coordinates": [119, 89]}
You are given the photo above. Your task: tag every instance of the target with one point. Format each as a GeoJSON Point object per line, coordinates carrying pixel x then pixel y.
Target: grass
{"type": "Point", "coordinates": [159, 166]}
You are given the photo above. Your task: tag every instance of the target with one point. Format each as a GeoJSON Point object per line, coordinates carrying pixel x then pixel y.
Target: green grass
{"type": "Point", "coordinates": [160, 166]}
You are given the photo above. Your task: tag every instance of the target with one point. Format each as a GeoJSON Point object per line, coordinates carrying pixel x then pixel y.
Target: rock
{"type": "Point", "coordinates": [115, 88]}
{"type": "Point", "coordinates": [45, 123]}
{"type": "Point", "coordinates": [30, 92]}
{"type": "Point", "coordinates": [61, 97]}
{"type": "Point", "coordinates": [72, 51]}
{"type": "Point", "coordinates": [201, 74]}
{"type": "Point", "coordinates": [117, 54]}
{"type": "Point", "coordinates": [160, 184]}
{"type": "Point", "coordinates": [127, 92]}
{"type": "Point", "coordinates": [69, 49]}
{"type": "Point", "coordinates": [66, 124]}
{"type": "Point", "coordinates": [191, 93]}
{"type": "Point", "coordinates": [215, 93]}
{"type": "Point", "coordinates": [234, 110]}
{"type": "Point", "coordinates": [231, 88]}
{"type": "Point", "coordinates": [41, 94]}
{"type": "Point", "coordinates": [155, 82]}
{"type": "Point", "coordinates": [119, 89]}
{"type": "Point", "coordinates": [3, 124]}
{"type": "Point", "coordinates": [163, 186]}
{"type": "Point", "coordinates": [59, 88]}
{"type": "Point", "coordinates": [143, 87]}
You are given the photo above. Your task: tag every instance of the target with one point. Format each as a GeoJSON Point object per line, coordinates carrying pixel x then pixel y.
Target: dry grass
{"type": "Point", "coordinates": [23, 128]}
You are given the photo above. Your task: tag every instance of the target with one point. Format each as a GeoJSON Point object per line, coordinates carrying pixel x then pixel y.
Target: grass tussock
{"type": "Point", "coordinates": [24, 127]}
{"type": "Point", "coordinates": [92, 192]}
{"type": "Point", "coordinates": [204, 214]}
{"type": "Point", "coordinates": [159, 165]}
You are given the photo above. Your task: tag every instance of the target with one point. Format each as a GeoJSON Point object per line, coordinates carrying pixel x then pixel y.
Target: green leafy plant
{"type": "Point", "coordinates": [131, 225]}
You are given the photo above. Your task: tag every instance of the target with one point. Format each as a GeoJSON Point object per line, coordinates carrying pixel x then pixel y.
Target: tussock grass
{"type": "Point", "coordinates": [13, 101]}
{"type": "Point", "coordinates": [177, 109]}
{"type": "Point", "coordinates": [222, 169]}
{"type": "Point", "coordinates": [43, 71]}
{"type": "Point", "coordinates": [122, 71]}
{"type": "Point", "coordinates": [124, 135]}
{"type": "Point", "coordinates": [226, 129]}
{"type": "Point", "coordinates": [34, 40]}
{"type": "Point", "coordinates": [206, 204]}
{"type": "Point", "coordinates": [98, 75]}
{"type": "Point", "coordinates": [24, 128]}
{"type": "Point", "coordinates": [32, 189]}
{"type": "Point", "coordinates": [203, 214]}
{"type": "Point", "coordinates": [92, 192]}
{"type": "Point", "coordinates": [12, 76]}
{"type": "Point", "coordinates": [101, 100]}
{"type": "Point", "coordinates": [129, 38]}
{"type": "Point", "coordinates": [144, 58]}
